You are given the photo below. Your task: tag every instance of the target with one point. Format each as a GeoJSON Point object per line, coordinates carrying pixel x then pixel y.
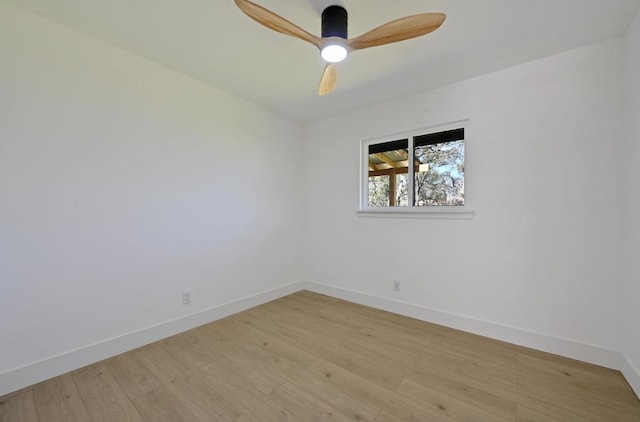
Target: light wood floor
{"type": "Point", "coordinates": [308, 357]}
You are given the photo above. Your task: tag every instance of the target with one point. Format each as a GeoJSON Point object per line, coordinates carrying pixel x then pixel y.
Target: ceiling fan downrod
{"type": "Point", "coordinates": [334, 22]}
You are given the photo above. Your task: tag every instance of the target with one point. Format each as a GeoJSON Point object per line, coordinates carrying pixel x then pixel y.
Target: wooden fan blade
{"type": "Point", "coordinates": [329, 79]}
{"type": "Point", "coordinates": [398, 30]}
{"type": "Point", "coordinates": [275, 22]}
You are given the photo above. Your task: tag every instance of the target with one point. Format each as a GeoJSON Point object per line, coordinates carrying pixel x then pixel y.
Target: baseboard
{"type": "Point", "coordinates": [18, 378]}
{"type": "Point", "coordinates": [35, 372]}
{"type": "Point", "coordinates": [567, 348]}
{"type": "Point", "coordinates": [631, 374]}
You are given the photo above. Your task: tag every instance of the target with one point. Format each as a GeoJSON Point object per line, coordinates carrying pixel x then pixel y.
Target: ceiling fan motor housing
{"type": "Point", "coordinates": [334, 22]}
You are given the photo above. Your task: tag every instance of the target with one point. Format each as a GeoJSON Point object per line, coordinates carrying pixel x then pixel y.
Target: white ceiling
{"type": "Point", "coordinates": [211, 40]}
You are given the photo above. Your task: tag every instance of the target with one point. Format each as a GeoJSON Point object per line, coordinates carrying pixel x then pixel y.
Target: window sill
{"type": "Point", "coordinates": [448, 213]}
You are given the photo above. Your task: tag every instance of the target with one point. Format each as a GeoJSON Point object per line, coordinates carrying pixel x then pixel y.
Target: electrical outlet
{"type": "Point", "coordinates": [186, 298]}
{"type": "Point", "coordinates": [396, 285]}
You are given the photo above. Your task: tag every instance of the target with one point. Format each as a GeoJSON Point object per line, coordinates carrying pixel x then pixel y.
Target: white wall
{"type": "Point", "coordinates": [631, 227]}
{"type": "Point", "coordinates": [542, 253]}
{"type": "Point", "coordinates": [122, 184]}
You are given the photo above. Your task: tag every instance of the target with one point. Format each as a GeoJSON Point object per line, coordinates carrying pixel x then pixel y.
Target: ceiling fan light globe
{"type": "Point", "coordinates": [334, 53]}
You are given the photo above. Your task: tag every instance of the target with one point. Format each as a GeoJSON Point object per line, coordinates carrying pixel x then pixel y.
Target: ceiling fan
{"type": "Point", "coordinates": [334, 44]}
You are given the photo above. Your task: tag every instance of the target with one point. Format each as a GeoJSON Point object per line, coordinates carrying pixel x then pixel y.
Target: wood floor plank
{"type": "Point", "coordinates": [249, 333]}
{"type": "Point", "coordinates": [103, 396]}
{"type": "Point", "coordinates": [261, 357]}
{"type": "Point", "coordinates": [192, 355]}
{"type": "Point", "coordinates": [160, 405]}
{"type": "Point", "coordinates": [369, 394]}
{"type": "Point", "coordinates": [132, 375]}
{"type": "Point", "coordinates": [474, 372]}
{"type": "Point", "coordinates": [346, 401]}
{"type": "Point", "coordinates": [553, 411]}
{"type": "Point", "coordinates": [584, 406]}
{"type": "Point", "coordinates": [307, 338]}
{"type": "Point", "coordinates": [254, 370]}
{"type": "Point", "coordinates": [484, 397]}
{"type": "Point", "coordinates": [206, 404]}
{"type": "Point", "coordinates": [163, 365]}
{"type": "Point", "coordinates": [18, 407]}
{"type": "Point", "coordinates": [59, 400]}
{"type": "Point", "coordinates": [410, 416]}
{"type": "Point", "coordinates": [247, 398]}
{"type": "Point", "coordinates": [526, 414]}
{"type": "Point", "coordinates": [306, 407]}
{"type": "Point", "coordinates": [391, 342]}
{"type": "Point", "coordinates": [304, 326]}
{"type": "Point", "coordinates": [596, 383]}
{"type": "Point", "coordinates": [274, 330]}
{"type": "Point", "coordinates": [433, 400]}
{"type": "Point", "coordinates": [310, 357]}
{"type": "Point", "coordinates": [364, 363]}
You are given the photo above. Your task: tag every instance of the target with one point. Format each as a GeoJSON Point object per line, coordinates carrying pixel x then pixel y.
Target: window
{"type": "Point", "coordinates": [434, 180]}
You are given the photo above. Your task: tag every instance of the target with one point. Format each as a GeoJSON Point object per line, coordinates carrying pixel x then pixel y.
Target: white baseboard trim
{"type": "Point", "coordinates": [631, 374]}
{"type": "Point", "coordinates": [35, 372]}
{"type": "Point", "coordinates": [567, 348]}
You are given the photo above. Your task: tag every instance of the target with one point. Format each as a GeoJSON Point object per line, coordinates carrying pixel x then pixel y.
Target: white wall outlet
{"type": "Point", "coordinates": [396, 285]}
{"type": "Point", "coordinates": [186, 298]}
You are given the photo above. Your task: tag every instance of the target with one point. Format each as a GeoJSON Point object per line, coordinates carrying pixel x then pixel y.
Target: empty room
{"type": "Point", "coordinates": [319, 210]}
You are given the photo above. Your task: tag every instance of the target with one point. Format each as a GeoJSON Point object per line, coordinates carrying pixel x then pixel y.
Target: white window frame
{"type": "Point", "coordinates": [412, 211]}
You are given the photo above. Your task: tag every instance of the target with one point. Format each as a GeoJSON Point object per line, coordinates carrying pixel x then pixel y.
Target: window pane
{"type": "Point", "coordinates": [388, 174]}
{"type": "Point", "coordinates": [440, 176]}
{"type": "Point", "coordinates": [378, 191]}
{"type": "Point", "coordinates": [402, 190]}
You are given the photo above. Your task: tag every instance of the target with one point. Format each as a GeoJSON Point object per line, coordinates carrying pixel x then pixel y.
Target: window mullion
{"type": "Point", "coordinates": [410, 173]}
